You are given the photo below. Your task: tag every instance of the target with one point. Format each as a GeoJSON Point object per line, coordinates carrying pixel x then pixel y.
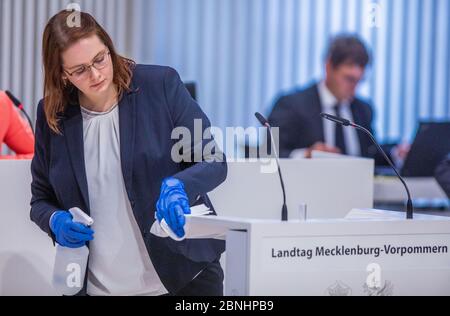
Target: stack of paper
{"type": "Point", "coordinates": [192, 231]}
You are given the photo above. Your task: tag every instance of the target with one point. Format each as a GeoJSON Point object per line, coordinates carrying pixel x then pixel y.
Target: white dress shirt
{"type": "Point", "coordinates": [328, 102]}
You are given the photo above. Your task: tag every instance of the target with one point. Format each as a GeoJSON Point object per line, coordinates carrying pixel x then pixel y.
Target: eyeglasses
{"type": "Point", "coordinates": [352, 80]}
{"type": "Point", "coordinates": [100, 62]}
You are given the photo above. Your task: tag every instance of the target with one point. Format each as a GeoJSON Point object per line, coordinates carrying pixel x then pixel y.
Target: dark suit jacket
{"type": "Point", "coordinates": [443, 175]}
{"type": "Point", "coordinates": [157, 103]}
{"type": "Point", "coordinates": [301, 126]}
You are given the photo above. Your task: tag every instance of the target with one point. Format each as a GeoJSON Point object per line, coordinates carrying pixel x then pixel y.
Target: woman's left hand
{"type": "Point", "coordinates": [172, 204]}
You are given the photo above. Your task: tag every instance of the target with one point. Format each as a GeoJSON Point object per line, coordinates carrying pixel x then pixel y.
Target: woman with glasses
{"type": "Point", "coordinates": [14, 131]}
{"type": "Point", "coordinates": [104, 144]}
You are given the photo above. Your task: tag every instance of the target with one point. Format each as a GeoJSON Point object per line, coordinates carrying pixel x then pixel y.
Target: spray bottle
{"type": "Point", "coordinates": [70, 263]}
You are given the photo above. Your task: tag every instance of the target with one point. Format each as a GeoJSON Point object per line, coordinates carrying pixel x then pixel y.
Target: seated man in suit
{"type": "Point", "coordinates": [443, 175]}
{"type": "Point", "coordinates": [297, 115]}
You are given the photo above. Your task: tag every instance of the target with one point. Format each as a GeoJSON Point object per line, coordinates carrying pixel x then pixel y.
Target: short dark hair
{"type": "Point", "coordinates": [348, 49]}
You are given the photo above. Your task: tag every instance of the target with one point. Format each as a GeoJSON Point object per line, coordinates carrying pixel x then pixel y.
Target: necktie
{"type": "Point", "coordinates": [339, 132]}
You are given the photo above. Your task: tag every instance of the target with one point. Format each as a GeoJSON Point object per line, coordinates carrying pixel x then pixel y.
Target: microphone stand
{"type": "Point", "coordinates": [345, 122]}
{"type": "Point", "coordinates": [264, 122]}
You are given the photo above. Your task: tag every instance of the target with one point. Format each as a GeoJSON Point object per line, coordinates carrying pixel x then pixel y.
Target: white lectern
{"type": "Point", "coordinates": [359, 256]}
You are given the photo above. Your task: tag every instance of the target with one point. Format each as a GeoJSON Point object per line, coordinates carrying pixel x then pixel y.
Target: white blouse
{"type": "Point", "coordinates": [119, 263]}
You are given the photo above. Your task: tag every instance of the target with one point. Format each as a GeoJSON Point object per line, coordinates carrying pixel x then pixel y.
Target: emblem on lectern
{"type": "Point", "coordinates": [338, 289]}
{"type": "Point", "coordinates": [386, 290]}
{"type": "Point", "coordinates": [374, 286]}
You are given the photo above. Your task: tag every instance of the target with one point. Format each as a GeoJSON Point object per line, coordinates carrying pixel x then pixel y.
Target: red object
{"type": "Point", "coordinates": [14, 130]}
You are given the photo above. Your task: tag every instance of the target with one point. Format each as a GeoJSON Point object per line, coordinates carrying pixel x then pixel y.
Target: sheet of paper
{"type": "Point", "coordinates": [199, 210]}
{"type": "Point", "coordinates": [192, 231]}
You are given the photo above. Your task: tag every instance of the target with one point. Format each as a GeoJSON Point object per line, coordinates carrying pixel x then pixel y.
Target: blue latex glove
{"type": "Point", "coordinates": [68, 233]}
{"type": "Point", "coordinates": [172, 204]}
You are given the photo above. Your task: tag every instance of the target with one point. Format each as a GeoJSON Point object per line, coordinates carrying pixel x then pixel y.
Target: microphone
{"type": "Point", "coordinates": [19, 105]}
{"type": "Point", "coordinates": [345, 122]}
{"type": "Point", "coordinates": [264, 122]}
{"type": "Point", "coordinates": [335, 119]}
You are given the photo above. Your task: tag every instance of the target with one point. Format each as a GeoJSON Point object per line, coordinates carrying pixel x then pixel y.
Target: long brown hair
{"type": "Point", "coordinates": [58, 36]}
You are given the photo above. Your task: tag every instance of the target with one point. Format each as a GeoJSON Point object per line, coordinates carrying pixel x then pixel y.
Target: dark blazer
{"type": "Point", "coordinates": [301, 126]}
{"type": "Point", "coordinates": [443, 175]}
{"type": "Point", "coordinates": [157, 103]}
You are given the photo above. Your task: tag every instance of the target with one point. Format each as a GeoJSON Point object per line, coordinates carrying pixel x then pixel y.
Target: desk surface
{"type": "Point", "coordinates": [400, 207]}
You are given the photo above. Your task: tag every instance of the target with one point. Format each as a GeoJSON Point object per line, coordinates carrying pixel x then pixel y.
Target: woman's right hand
{"type": "Point", "coordinates": [68, 233]}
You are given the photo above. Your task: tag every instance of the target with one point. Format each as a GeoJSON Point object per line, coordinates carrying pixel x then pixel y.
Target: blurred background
{"type": "Point", "coordinates": [242, 54]}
